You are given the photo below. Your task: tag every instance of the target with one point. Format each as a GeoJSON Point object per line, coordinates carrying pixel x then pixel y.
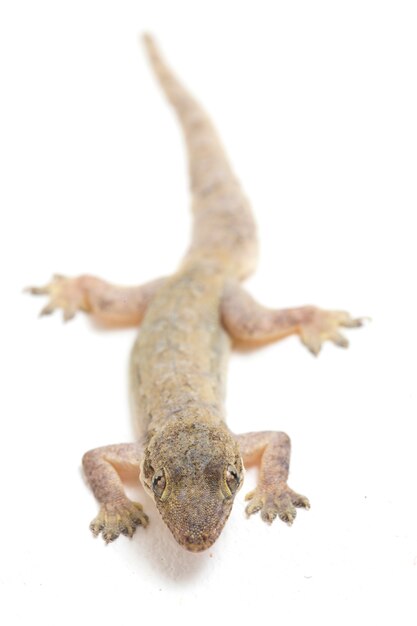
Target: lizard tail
{"type": "Point", "coordinates": [223, 230]}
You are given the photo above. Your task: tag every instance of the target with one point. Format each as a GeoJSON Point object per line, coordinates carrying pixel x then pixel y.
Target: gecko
{"type": "Point", "coordinates": [185, 456]}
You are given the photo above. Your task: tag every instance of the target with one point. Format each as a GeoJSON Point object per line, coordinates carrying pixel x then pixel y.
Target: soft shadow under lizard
{"type": "Point", "coordinates": [188, 460]}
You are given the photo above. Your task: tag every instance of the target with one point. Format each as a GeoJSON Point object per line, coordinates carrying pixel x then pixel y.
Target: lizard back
{"type": "Point", "coordinates": [178, 361]}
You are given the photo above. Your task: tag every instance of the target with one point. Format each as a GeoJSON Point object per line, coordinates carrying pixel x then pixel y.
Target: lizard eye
{"type": "Point", "coordinates": [159, 483]}
{"type": "Point", "coordinates": [232, 479]}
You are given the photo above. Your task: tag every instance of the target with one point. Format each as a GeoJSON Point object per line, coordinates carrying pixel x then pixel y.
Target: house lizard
{"type": "Point", "coordinates": [187, 459]}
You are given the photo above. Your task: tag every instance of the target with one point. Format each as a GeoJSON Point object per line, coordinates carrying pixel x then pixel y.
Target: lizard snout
{"type": "Point", "coordinates": [197, 528]}
{"type": "Point", "coordinates": [198, 543]}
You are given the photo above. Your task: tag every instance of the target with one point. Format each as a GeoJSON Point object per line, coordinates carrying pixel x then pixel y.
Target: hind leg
{"type": "Point", "coordinates": [108, 303]}
{"type": "Point", "coordinates": [251, 323]}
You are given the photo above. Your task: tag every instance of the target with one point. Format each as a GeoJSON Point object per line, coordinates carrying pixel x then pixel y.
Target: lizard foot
{"type": "Point", "coordinates": [64, 293]}
{"type": "Point", "coordinates": [115, 518]}
{"type": "Point", "coordinates": [324, 325]}
{"type": "Point", "coordinates": [281, 502]}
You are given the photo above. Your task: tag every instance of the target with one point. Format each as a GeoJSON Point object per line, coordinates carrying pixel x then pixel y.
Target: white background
{"type": "Point", "coordinates": [316, 102]}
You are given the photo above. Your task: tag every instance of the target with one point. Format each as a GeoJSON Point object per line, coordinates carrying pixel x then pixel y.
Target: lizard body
{"type": "Point", "coordinates": [188, 460]}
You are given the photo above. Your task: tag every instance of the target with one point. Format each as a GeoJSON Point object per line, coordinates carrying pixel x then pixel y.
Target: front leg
{"type": "Point", "coordinates": [272, 496]}
{"type": "Point", "coordinates": [102, 468]}
{"type": "Point", "coordinates": [251, 323]}
{"type": "Point", "coordinates": [109, 304]}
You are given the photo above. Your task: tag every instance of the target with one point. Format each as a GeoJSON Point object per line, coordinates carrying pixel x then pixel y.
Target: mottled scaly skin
{"type": "Point", "coordinates": [224, 231]}
{"type": "Point", "coordinates": [188, 460]}
{"type": "Point", "coordinates": [178, 363]}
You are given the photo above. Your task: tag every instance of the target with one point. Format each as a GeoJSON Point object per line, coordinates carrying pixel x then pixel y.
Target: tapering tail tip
{"type": "Point", "coordinates": [149, 44]}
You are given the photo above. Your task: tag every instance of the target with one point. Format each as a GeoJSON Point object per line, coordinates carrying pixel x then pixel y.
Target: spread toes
{"type": "Point", "coordinates": [64, 293]}
{"type": "Point", "coordinates": [324, 326]}
{"type": "Point", "coordinates": [282, 503]}
{"type": "Point", "coordinates": [118, 518]}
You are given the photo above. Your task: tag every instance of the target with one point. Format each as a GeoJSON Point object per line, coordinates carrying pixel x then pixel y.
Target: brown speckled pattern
{"type": "Point", "coordinates": [186, 457]}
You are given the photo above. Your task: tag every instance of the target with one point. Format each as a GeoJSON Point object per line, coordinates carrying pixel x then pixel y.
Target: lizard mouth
{"type": "Point", "coordinates": [197, 544]}
{"type": "Point", "coordinates": [196, 539]}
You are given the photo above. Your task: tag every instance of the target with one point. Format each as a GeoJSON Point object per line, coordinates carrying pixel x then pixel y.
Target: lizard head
{"type": "Point", "coordinates": [193, 471]}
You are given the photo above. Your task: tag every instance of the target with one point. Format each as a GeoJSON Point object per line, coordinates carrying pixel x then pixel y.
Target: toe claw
{"type": "Point", "coordinates": [269, 515]}
{"type": "Point", "coordinates": [256, 503]}
{"type": "Point", "coordinates": [301, 502]}
{"type": "Point", "coordinates": [312, 342]}
{"type": "Point", "coordinates": [354, 322]}
{"type": "Point", "coordinates": [96, 527]}
{"type": "Point", "coordinates": [68, 315]}
{"type": "Point", "coordinates": [36, 291]}
{"type": "Point", "coordinates": [250, 495]}
{"type": "Point", "coordinates": [47, 310]}
{"type": "Point", "coordinates": [339, 340]}
{"type": "Point", "coordinates": [288, 516]}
